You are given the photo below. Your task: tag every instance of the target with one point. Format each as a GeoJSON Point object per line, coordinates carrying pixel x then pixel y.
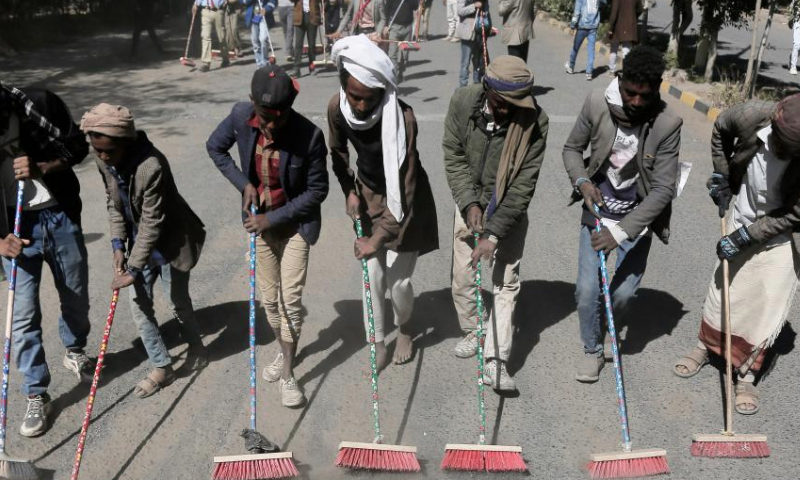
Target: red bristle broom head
{"type": "Point", "coordinates": [629, 467]}
{"type": "Point", "coordinates": [730, 449]}
{"type": "Point", "coordinates": [376, 457]}
{"type": "Point", "coordinates": [479, 458]}
{"type": "Point", "coordinates": [243, 468]}
{"type": "Point", "coordinates": [634, 463]}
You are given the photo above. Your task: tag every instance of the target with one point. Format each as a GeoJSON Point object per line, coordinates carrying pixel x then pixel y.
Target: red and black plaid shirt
{"type": "Point", "coordinates": [270, 190]}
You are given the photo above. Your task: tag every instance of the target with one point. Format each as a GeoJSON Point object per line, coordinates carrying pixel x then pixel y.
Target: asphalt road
{"type": "Point", "coordinates": [430, 401]}
{"type": "Point", "coordinates": [733, 44]}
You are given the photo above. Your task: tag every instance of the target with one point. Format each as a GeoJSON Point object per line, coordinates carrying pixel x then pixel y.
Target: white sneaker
{"type": "Point", "coordinates": [467, 346]}
{"type": "Point", "coordinates": [568, 69]}
{"type": "Point", "coordinates": [793, 71]}
{"type": "Point", "coordinates": [498, 378]}
{"type": "Point", "coordinates": [272, 372]}
{"type": "Point", "coordinates": [35, 422]}
{"type": "Point", "coordinates": [78, 363]}
{"type": "Point", "coordinates": [291, 393]}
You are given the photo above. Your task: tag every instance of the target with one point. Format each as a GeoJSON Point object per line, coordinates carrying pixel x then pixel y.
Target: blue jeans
{"type": "Point", "coordinates": [471, 50]}
{"type": "Point", "coordinates": [630, 267]}
{"type": "Point", "coordinates": [582, 34]}
{"type": "Point", "coordinates": [176, 291]}
{"type": "Point", "coordinates": [55, 239]}
{"type": "Point", "coordinates": [259, 36]}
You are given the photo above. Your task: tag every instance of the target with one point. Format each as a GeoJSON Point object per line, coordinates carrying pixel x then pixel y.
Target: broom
{"type": "Point", "coordinates": [259, 465]}
{"type": "Point", "coordinates": [629, 462]}
{"type": "Point", "coordinates": [185, 60]}
{"type": "Point", "coordinates": [728, 443]}
{"type": "Point", "coordinates": [12, 468]}
{"type": "Point", "coordinates": [480, 457]}
{"type": "Point", "coordinates": [375, 456]}
{"type": "Point", "coordinates": [87, 417]}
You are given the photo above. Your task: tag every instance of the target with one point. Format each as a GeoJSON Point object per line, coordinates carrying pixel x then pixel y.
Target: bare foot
{"type": "Point", "coordinates": [403, 348]}
{"type": "Point", "coordinates": [381, 356]}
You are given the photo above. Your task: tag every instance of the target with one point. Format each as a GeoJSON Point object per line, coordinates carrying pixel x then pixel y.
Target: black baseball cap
{"type": "Point", "coordinates": [273, 89]}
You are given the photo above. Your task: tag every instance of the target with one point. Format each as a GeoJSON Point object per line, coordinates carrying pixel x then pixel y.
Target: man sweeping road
{"type": "Point", "coordinates": [631, 175]}
{"type": "Point", "coordinates": [390, 193]}
{"type": "Point", "coordinates": [494, 142]}
{"type": "Point", "coordinates": [282, 174]}
{"type": "Point", "coordinates": [40, 145]}
{"type": "Point", "coordinates": [755, 147]}
{"type": "Point", "coordinates": [150, 220]}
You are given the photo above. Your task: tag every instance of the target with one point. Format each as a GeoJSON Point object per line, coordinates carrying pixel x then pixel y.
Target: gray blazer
{"type": "Point", "coordinates": [518, 16]}
{"type": "Point", "coordinates": [165, 221]}
{"type": "Point", "coordinates": [657, 160]}
{"type": "Point", "coordinates": [346, 22]}
{"type": "Point", "coordinates": [465, 30]}
{"type": "Point", "coordinates": [734, 143]}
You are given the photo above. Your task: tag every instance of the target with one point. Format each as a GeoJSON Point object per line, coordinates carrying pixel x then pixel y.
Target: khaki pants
{"type": "Point", "coordinates": [281, 267]}
{"type": "Point", "coordinates": [232, 29]}
{"type": "Point", "coordinates": [390, 270]}
{"type": "Point", "coordinates": [505, 279]}
{"type": "Point", "coordinates": [213, 19]}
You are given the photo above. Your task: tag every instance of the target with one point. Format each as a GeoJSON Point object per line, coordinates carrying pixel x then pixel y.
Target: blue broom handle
{"type": "Point", "coordinates": [12, 284]}
{"type": "Point", "coordinates": [623, 409]}
{"type": "Point", "coordinates": [252, 326]}
{"type": "Point", "coordinates": [376, 425]}
{"type": "Point", "coordinates": [480, 308]}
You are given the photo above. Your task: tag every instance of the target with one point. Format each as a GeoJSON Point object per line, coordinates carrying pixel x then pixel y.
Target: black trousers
{"type": "Point", "coordinates": [520, 51]}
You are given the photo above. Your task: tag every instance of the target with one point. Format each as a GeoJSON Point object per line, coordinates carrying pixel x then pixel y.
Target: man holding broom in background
{"type": "Point", "coordinates": [39, 144]}
{"type": "Point", "coordinates": [494, 143]}
{"type": "Point", "coordinates": [631, 175]}
{"type": "Point", "coordinates": [390, 193]}
{"type": "Point", "coordinates": [283, 176]}
{"type": "Point", "coordinates": [162, 236]}
{"type": "Point", "coordinates": [755, 147]}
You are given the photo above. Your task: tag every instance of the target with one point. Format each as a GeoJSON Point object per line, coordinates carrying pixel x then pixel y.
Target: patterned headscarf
{"type": "Point", "coordinates": [786, 121]}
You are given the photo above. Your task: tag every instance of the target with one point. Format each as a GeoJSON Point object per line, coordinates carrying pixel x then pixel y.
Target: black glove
{"type": "Point", "coordinates": [731, 245]}
{"type": "Point", "coordinates": [720, 192]}
{"type": "Point", "coordinates": [255, 443]}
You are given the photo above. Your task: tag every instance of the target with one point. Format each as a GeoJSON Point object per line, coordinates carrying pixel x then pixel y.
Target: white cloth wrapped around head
{"type": "Point", "coordinates": [370, 66]}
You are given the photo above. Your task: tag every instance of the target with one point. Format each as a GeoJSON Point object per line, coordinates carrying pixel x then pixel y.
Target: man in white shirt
{"type": "Point", "coordinates": [755, 147]}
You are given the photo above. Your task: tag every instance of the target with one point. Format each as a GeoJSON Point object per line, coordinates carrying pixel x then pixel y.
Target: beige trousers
{"type": "Point", "coordinates": [232, 30]}
{"type": "Point", "coordinates": [505, 280]}
{"type": "Point", "coordinates": [213, 20]}
{"type": "Point", "coordinates": [281, 267]}
{"type": "Point", "coordinates": [390, 271]}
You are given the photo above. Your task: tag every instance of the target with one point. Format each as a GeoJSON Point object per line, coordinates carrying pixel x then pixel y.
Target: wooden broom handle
{"type": "Point", "coordinates": [726, 305]}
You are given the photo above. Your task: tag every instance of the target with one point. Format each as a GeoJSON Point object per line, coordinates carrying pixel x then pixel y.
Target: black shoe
{"type": "Point", "coordinates": [204, 67]}
{"type": "Point", "coordinates": [35, 422]}
{"type": "Point", "coordinates": [225, 63]}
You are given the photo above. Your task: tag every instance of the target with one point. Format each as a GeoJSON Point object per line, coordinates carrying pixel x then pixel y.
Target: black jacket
{"type": "Point", "coordinates": [303, 173]}
{"type": "Point", "coordinates": [63, 184]}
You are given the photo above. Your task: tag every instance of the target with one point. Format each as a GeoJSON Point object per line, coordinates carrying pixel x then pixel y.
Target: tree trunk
{"type": "Point", "coordinates": [764, 39]}
{"type": "Point", "coordinates": [712, 56]}
{"type": "Point", "coordinates": [704, 38]}
{"type": "Point", "coordinates": [748, 78]}
{"type": "Point", "coordinates": [674, 35]}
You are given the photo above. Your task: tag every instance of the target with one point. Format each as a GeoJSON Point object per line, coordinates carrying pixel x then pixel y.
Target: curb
{"type": "Point", "coordinates": [689, 99]}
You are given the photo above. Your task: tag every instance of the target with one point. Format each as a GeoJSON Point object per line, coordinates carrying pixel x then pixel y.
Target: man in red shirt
{"type": "Point", "coordinates": [283, 174]}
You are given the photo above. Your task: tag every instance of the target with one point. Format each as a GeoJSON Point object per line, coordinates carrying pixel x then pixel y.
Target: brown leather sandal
{"type": "Point", "coordinates": [157, 379]}
{"type": "Point", "coordinates": [746, 394]}
{"type": "Point", "coordinates": [693, 362]}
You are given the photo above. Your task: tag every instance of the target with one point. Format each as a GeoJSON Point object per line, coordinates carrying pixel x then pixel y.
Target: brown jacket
{"type": "Point", "coordinates": [164, 220]}
{"type": "Point", "coordinates": [624, 20]}
{"type": "Point", "coordinates": [419, 231]}
{"type": "Point", "coordinates": [314, 15]}
{"type": "Point", "coordinates": [734, 143]}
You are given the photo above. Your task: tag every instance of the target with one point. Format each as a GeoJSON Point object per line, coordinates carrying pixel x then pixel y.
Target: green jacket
{"type": "Point", "coordinates": [471, 157]}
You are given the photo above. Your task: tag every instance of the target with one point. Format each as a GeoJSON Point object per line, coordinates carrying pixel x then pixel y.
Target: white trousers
{"type": "Point", "coordinates": [612, 58]}
{"type": "Point", "coordinates": [795, 43]}
{"type": "Point", "coordinates": [390, 270]}
{"type": "Point", "coordinates": [452, 17]}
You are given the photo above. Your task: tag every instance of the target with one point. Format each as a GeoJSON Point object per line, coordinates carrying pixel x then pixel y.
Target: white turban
{"type": "Point", "coordinates": [368, 64]}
